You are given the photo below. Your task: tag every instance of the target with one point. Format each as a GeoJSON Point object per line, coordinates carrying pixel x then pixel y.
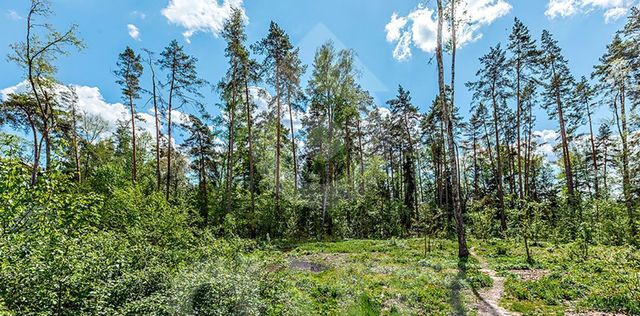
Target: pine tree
{"type": "Point", "coordinates": [404, 119]}
{"type": "Point", "coordinates": [558, 101]}
{"type": "Point", "coordinates": [616, 75]}
{"type": "Point", "coordinates": [276, 49]}
{"type": "Point", "coordinates": [128, 77]}
{"type": "Point", "coordinates": [201, 146]}
{"type": "Point", "coordinates": [156, 116]}
{"type": "Point", "coordinates": [585, 95]}
{"type": "Point", "coordinates": [524, 61]}
{"type": "Point", "coordinates": [183, 84]}
{"type": "Point", "coordinates": [491, 86]}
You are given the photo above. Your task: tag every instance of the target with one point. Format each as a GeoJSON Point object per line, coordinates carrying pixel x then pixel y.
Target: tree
{"type": "Point", "coordinates": [293, 70]}
{"type": "Point", "coordinates": [604, 142]}
{"type": "Point", "coordinates": [35, 55]}
{"type": "Point", "coordinates": [492, 84]}
{"type": "Point", "coordinates": [21, 111]}
{"type": "Point", "coordinates": [585, 95]}
{"type": "Point", "coordinates": [448, 118]}
{"type": "Point", "coordinates": [156, 115]}
{"type": "Point", "coordinates": [559, 84]}
{"type": "Point", "coordinates": [404, 119]}
{"type": "Point", "coordinates": [128, 77]}
{"type": "Point", "coordinates": [319, 124]}
{"type": "Point", "coordinates": [524, 61]}
{"type": "Point", "coordinates": [201, 147]}
{"type": "Point", "coordinates": [276, 49]}
{"type": "Point", "coordinates": [615, 72]}
{"type": "Point", "coordinates": [183, 84]}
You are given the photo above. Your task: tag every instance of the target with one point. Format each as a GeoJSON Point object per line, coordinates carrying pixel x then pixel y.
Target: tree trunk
{"type": "Point", "coordinates": [462, 244]}
{"type": "Point", "coordinates": [518, 114]}
{"type": "Point", "coordinates": [251, 168]}
{"type": "Point", "coordinates": [278, 138]}
{"type": "Point", "coordinates": [293, 145]}
{"type": "Point", "coordinates": [232, 109]}
{"type": "Point", "coordinates": [76, 148]}
{"type": "Point", "coordinates": [565, 144]}
{"type": "Point", "coordinates": [593, 154]}
{"type": "Point", "coordinates": [361, 158]}
{"type": "Point", "coordinates": [157, 124]}
{"type": "Point", "coordinates": [133, 140]}
{"type": "Point", "coordinates": [503, 220]}
{"type": "Point", "coordinates": [626, 178]}
{"type": "Point", "coordinates": [169, 108]}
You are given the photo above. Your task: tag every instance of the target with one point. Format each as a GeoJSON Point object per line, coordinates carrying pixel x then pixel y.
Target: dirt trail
{"type": "Point", "coordinates": [488, 298]}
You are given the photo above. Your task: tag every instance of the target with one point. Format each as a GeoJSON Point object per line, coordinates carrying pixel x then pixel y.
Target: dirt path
{"type": "Point", "coordinates": [488, 298]}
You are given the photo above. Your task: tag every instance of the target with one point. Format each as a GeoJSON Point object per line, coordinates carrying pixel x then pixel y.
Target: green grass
{"type": "Point", "coordinates": [382, 277]}
{"type": "Point", "coordinates": [395, 277]}
{"type": "Point", "coordinates": [606, 280]}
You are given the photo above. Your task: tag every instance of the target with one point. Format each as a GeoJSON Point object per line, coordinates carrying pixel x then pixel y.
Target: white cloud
{"type": "Point", "coordinates": [424, 29]}
{"type": "Point", "coordinates": [614, 14]}
{"type": "Point", "coordinates": [200, 15]}
{"type": "Point", "coordinates": [134, 32]}
{"type": "Point", "coordinates": [13, 15]}
{"type": "Point", "coordinates": [403, 48]}
{"type": "Point", "coordinates": [19, 88]}
{"type": "Point", "coordinates": [91, 102]}
{"type": "Point", "coordinates": [614, 9]}
{"type": "Point", "coordinates": [561, 8]}
{"type": "Point", "coordinates": [547, 139]}
{"type": "Point", "coordinates": [394, 27]}
{"type": "Point", "coordinates": [473, 15]}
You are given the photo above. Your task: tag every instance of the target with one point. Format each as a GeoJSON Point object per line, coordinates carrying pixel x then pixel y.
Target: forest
{"type": "Point", "coordinates": [363, 209]}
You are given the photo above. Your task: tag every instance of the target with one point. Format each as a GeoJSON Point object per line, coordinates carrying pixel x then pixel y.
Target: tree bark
{"type": "Point", "coordinates": [462, 244]}
{"type": "Point", "coordinates": [251, 168]}
{"type": "Point", "coordinates": [169, 108]}
{"type": "Point", "coordinates": [232, 109]}
{"type": "Point", "coordinates": [133, 140]}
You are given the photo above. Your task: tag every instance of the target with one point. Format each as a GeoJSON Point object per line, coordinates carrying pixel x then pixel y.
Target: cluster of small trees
{"type": "Point", "coordinates": [353, 169]}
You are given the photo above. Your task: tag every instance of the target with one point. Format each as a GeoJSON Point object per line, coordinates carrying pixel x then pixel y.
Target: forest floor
{"type": "Point", "coordinates": [418, 277]}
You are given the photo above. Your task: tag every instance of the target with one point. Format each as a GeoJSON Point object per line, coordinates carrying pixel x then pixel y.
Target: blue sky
{"type": "Point", "coordinates": [582, 27]}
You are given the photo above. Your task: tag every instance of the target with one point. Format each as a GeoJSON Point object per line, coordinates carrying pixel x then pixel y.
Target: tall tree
{"type": "Point", "coordinates": [156, 115]}
{"type": "Point", "coordinates": [242, 72]}
{"type": "Point", "coordinates": [585, 95]}
{"type": "Point", "coordinates": [276, 48]}
{"type": "Point", "coordinates": [293, 70]}
{"type": "Point", "coordinates": [183, 84]}
{"type": "Point", "coordinates": [35, 55]}
{"type": "Point", "coordinates": [491, 86]}
{"type": "Point", "coordinates": [128, 77]}
{"type": "Point", "coordinates": [524, 61]}
{"type": "Point", "coordinates": [322, 89]}
{"type": "Point", "coordinates": [559, 84]}
{"type": "Point", "coordinates": [404, 119]}
{"type": "Point", "coordinates": [615, 71]}
{"type": "Point", "coordinates": [448, 118]}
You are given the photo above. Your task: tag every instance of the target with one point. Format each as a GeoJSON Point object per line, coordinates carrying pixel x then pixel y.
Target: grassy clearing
{"type": "Point", "coordinates": [565, 280]}
{"type": "Point", "coordinates": [370, 277]}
